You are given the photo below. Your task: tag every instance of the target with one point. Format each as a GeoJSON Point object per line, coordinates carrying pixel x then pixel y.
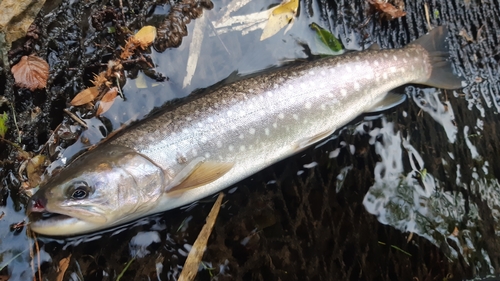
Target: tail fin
{"type": "Point", "coordinates": [435, 44]}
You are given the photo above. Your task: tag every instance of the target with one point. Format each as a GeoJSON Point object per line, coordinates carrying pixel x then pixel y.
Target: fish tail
{"type": "Point", "coordinates": [436, 45]}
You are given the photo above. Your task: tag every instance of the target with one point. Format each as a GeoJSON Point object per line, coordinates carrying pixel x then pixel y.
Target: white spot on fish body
{"type": "Point", "coordinates": [395, 57]}
{"type": "Point", "coordinates": [229, 113]}
{"type": "Point", "coordinates": [233, 127]}
{"type": "Point", "coordinates": [269, 93]}
{"type": "Point", "coordinates": [308, 105]}
{"type": "Point", "coordinates": [194, 152]}
{"type": "Point", "coordinates": [392, 69]}
{"type": "Point", "coordinates": [275, 125]}
{"type": "Point", "coordinates": [384, 75]}
{"type": "Point", "coordinates": [210, 119]}
{"type": "Point", "coordinates": [231, 147]}
{"type": "Point", "coordinates": [207, 155]}
{"type": "Point", "coordinates": [356, 86]}
{"type": "Point", "coordinates": [343, 92]}
{"type": "Point", "coordinates": [303, 86]}
{"type": "Point", "coordinates": [311, 72]}
{"type": "Point", "coordinates": [290, 87]}
{"type": "Point", "coordinates": [266, 131]}
{"type": "Point", "coordinates": [219, 144]}
{"type": "Point", "coordinates": [348, 68]}
{"type": "Point", "coordinates": [200, 125]}
{"type": "Point", "coordinates": [376, 63]}
{"type": "Point", "coordinates": [323, 73]}
{"type": "Point", "coordinates": [281, 116]}
{"type": "Point", "coordinates": [405, 60]}
{"type": "Point", "coordinates": [330, 95]}
{"type": "Point", "coordinates": [185, 131]}
{"type": "Point", "coordinates": [407, 54]}
{"type": "Point", "coordinates": [323, 106]}
{"type": "Point", "coordinates": [357, 58]}
{"type": "Point", "coordinates": [204, 139]}
{"type": "Point", "coordinates": [251, 131]}
{"type": "Point", "coordinates": [189, 118]}
{"type": "Point", "coordinates": [386, 55]}
{"type": "Point", "coordinates": [242, 148]}
{"type": "Point", "coordinates": [241, 136]}
{"type": "Point", "coordinates": [296, 117]}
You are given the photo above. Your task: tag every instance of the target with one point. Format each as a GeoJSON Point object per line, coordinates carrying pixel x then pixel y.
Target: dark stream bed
{"type": "Point", "coordinates": [408, 194]}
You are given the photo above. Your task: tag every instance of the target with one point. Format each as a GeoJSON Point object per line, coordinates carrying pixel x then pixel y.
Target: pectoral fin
{"type": "Point", "coordinates": [305, 142]}
{"type": "Point", "coordinates": [198, 174]}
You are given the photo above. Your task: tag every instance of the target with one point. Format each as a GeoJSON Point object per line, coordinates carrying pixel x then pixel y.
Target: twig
{"type": "Point", "coordinates": [124, 269]}
{"type": "Point", "coordinates": [76, 118]}
{"type": "Point", "coordinates": [53, 132]}
{"type": "Point", "coordinates": [427, 17]}
{"type": "Point", "coordinates": [15, 123]}
{"type": "Point", "coordinates": [196, 254]}
{"type": "Point", "coordinates": [119, 88]}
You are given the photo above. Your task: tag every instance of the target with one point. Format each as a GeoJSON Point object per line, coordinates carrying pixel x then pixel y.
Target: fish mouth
{"type": "Point", "coordinates": [48, 217]}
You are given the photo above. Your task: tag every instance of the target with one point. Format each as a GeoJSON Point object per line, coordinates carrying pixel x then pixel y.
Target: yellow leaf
{"type": "Point", "coordinates": [280, 17]}
{"type": "Point", "coordinates": [85, 96]}
{"type": "Point", "coordinates": [34, 169]}
{"type": "Point", "coordinates": [145, 36]}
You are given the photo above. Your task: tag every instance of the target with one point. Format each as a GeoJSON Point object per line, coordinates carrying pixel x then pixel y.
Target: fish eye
{"type": "Point", "coordinates": [79, 190]}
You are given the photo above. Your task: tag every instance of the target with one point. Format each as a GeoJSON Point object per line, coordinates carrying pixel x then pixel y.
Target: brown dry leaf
{"type": "Point", "coordinates": [85, 96]}
{"type": "Point", "coordinates": [107, 100]}
{"type": "Point", "coordinates": [100, 79]}
{"type": "Point", "coordinates": [145, 36]}
{"type": "Point", "coordinates": [194, 257]}
{"type": "Point", "coordinates": [4, 278]}
{"type": "Point", "coordinates": [34, 169]}
{"type": "Point", "coordinates": [455, 232]}
{"type": "Point", "coordinates": [63, 266]}
{"type": "Point", "coordinates": [389, 10]}
{"type": "Point", "coordinates": [31, 72]}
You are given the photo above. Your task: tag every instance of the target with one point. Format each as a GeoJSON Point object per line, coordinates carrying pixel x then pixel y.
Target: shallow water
{"type": "Point", "coordinates": [412, 192]}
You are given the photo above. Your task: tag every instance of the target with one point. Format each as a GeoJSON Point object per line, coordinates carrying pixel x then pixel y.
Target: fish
{"type": "Point", "coordinates": [225, 135]}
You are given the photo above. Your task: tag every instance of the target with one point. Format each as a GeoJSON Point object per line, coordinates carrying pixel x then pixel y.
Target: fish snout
{"type": "Point", "coordinates": [37, 204]}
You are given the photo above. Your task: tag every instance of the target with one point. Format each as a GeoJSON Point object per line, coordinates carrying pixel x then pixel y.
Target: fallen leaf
{"type": "Point", "coordinates": [3, 126]}
{"type": "Point", "coordinates": [107, 101]}
{"type": "Point", "coordinates": [195, 255]}
{"type": "Point", "coordinates": [85, 96]}
{"type": "Point", "coordinates": [16, 16]}
{"type": "Point", "coordinates": [35, 169]}
{"type": "Point", "coordinates": [327, 38]}
{"type": "Point", "coordinates": [389, 10]}
{"type": "Point", "coordinates": [4, 278]}
{"type": "Point", "coordinates": [281, 16]}
{"type": "Point", "coordinates": [31, 72]}
{"type": "Point", "coordinates": [63, 266]}
{"type": "Point", "coordinates": [145, 36]}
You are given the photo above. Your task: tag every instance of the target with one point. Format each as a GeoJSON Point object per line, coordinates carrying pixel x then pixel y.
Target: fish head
{"type": "Point", "coordinates": [100, 189]}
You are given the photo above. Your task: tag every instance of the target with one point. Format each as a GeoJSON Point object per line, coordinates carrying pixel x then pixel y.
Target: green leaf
{"type": "Point", "coordinates": [3, 124]}
{"type": "Point", "coordinates": [327, 38]}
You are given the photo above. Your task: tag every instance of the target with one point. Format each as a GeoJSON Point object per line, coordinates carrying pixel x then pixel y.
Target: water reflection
{"type": "Point", "coordinates": [408, 197]}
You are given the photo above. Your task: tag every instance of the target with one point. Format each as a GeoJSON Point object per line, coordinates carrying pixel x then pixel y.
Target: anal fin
{"type": "Point", "coordinates": [305, 142]}
{"type": "Point", "coordinates": [198, 174]}
{"type": "Point", "coordinates": [389, 101]}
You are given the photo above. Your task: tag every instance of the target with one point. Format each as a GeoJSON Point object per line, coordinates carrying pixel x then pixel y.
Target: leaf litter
{"type": "Point", "coordinates": [31, 72]}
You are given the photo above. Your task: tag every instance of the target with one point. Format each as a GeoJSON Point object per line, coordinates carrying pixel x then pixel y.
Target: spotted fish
{"type": "Point", "coordinates": [228, 134]}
